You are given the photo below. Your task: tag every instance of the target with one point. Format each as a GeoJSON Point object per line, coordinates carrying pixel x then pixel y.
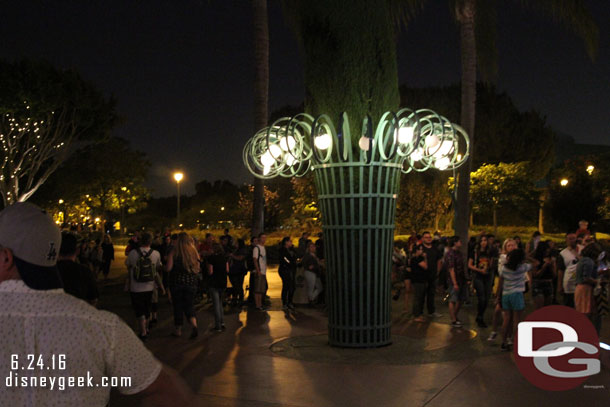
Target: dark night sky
{"type": "Point", "coordinates": [182, 70]}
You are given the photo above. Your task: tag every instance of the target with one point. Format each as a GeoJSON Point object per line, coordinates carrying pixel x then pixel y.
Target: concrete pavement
{"type": "Point", "coordinates": [278, 359]}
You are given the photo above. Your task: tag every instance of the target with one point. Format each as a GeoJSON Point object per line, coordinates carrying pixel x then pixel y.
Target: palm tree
{"type": "Point", "coordinates": [261, 100]}
{"type": "Point", "coordinates": [477, 42]}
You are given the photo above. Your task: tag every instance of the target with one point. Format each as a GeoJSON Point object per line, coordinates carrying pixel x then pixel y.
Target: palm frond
{"type": "Point", "coordinates": [573, 14]}
{"type": "Point", "coordinates": [403, 11]}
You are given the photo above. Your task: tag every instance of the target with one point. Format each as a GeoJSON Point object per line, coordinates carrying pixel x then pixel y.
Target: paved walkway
{"type": "Point", "coordinates": [271, 358]}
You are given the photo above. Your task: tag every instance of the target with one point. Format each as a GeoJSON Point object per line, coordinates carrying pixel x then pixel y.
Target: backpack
{"type": "Point", "coordinates": [250, 259]}
{"type": "Point", "coordinates": [144, 271]}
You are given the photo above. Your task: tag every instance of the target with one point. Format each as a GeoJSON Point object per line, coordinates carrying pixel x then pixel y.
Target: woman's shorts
{"type": "Point", "coordinates": [513, 302]}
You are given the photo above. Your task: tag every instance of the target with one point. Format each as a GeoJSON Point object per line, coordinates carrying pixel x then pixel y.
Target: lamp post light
{"type": "Point", "coordinates": [357, 179]}
{"type": "Point", "coordinates": [563, 182]}
{"type": "Point", "coordinates": [178, 177]}
{"type": "Point", "coordinates": [590, 169]}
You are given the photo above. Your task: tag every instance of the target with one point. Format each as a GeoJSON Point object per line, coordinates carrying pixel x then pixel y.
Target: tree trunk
{"type": "Point", "coordinates": [541, 219]}
{"type": "Point", "coordinates": [261, 100]}
{"type": "Point", "coordinates": [465, 11]}
{"type": "Point", "coordinates": [349, 59]}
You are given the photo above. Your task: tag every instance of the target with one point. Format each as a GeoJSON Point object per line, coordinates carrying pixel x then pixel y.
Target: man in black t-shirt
{"type": "Point", "coordinates": [434, 259]}
{"type": "Point", "coordinates": [78, 280]}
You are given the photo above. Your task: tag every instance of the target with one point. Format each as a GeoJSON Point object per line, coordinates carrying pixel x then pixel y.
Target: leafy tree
{"type": "Point", "coordinates": [496, 185]}
{"type": "Point", "coordinates": [423, 199]}
{"type": "Point", "coordinates": [272, 205]}
{"type": "Point", "coordinates": [45, 114]}
{"type": "Point", "coordinates": [103, 178]}
{"type": "Point", "coordinates": [477, 22]}
{"type": "Point", "coordinates": [305, 210]}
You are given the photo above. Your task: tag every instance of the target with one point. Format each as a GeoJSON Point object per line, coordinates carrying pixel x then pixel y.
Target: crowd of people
{"type": "Point", "coordinates": [189, 271]}
{"type": "Point", "coordinates": [47, 276]}
{"type": "Point", "coordinates": [504, 274]}
{"type": "Point", "coordinates": [424, 267]}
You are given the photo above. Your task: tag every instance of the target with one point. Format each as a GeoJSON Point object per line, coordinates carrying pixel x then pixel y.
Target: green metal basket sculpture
{"type": "Point", "coordinates": [357, 183]}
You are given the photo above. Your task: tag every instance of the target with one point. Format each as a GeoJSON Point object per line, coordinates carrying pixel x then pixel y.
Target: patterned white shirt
{"type": "Point", "coordinates": [48, 324]}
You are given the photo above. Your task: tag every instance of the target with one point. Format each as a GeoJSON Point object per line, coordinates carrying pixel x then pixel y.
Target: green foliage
{"type": "Point", "coordinates": [495, 185]}
{"type": "Point", "coordinates": [349, 56]}
{"type": "Point", "coordinates": [423, 199]}
{"type": "Point", "coordinates": [44, 113]}
{"type": "Point", "coordinates": [305, 211]}
{"type": "Point", "coordinates": [104, 177]}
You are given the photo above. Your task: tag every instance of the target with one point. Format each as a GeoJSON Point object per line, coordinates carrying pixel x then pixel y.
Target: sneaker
{"type": "Point", "coordinates": [261, 309]}
{"type": "Point", "coordinates": [492, 336]}
{"type": "Point", "coordinates": [194, 333]}
{"type": "Point", "coordinates": [481, 323]}
{"type": "Point", "coordinates": [456, 324]}
{"type": "Point", "coordinates": [509, 341]}
{"type": "Point", "coordinates": [460, 323]}
{"type": "Point", "coordinates": [143, 337]}
{"type": "Point", "coordinates": [505, 347]}
{"type": "Point", "coordinates": [420, 319]}
{"type": "Point", "coordinates": [435, 315]}
{"type": "Point", "coordinates": [223, 327]}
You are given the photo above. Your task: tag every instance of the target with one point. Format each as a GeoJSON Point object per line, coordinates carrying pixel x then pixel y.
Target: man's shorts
{"type": "Point", "coordinates": [260, 286]}
{"type": "Point", "coordinates": [141, 303]}
{"type": "Point", "coordinates": [544, 288]}
{"type": "Point", "coordinates": [513, 302]}
{"type": "Point", "coordinates": [458, 295]}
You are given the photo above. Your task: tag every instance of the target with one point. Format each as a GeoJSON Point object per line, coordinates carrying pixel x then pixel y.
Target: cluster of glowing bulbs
{"type": "Point", "coordinates": [287, 143]}
{"type": "Point", "coordinates": [405, 134]}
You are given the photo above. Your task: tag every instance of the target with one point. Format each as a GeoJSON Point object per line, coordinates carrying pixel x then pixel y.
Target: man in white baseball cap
{"type": "Point", "coordinates": [69, 340]}
{"type": "Point", "coordinates": [34, 241]}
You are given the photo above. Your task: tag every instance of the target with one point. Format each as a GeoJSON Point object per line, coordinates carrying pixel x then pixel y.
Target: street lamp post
{"type": "Point", "coordinates": [357, 180]}
{"type": "Point", "coordinates": [178, 177]}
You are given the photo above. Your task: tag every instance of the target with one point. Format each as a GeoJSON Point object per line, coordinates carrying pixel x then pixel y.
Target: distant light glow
{"type": "Point", "coordinates": [590, 169]}
{"type": "Point", "coordinates": [563, 182]}
{"type": "Point", "coordinates": [178, 176]}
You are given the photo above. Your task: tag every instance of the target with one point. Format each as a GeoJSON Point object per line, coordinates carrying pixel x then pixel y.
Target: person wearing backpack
{"type": "Point", "coordinates": [144, 266]}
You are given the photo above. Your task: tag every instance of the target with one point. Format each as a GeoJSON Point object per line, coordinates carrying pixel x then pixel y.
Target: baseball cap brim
{"type": "Point", "coordinates": [38, 277]}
